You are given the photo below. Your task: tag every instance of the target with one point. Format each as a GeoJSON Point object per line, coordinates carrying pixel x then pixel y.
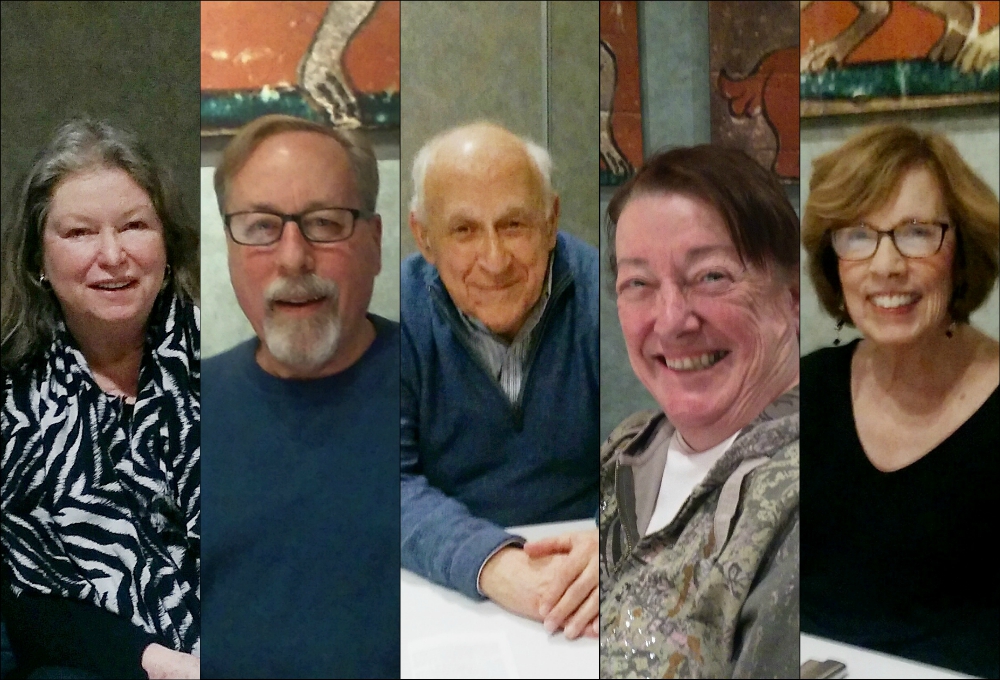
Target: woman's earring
{"type": "Point", "coordinates": [950, 332]}
{"type": "Point", "coordinates": [840, 324]}
{"type": "Point", "coordinates": [41, 279]}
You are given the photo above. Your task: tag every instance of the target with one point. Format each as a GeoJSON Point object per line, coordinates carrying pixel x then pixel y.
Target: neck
{"type": "Point", "coordinates": [113, 353]}
{"type": "Point", "coordinates": [927, 365]}
{"type": "Point", "coordinates": [347, 354]}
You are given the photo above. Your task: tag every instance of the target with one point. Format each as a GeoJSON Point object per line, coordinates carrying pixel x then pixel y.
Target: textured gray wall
{"type": "Point", "coordinates": [530, 66]}
{"type": "Point", "coordinates": [975, 131]}
{"type": "Point", "coordinates": [133, 63]}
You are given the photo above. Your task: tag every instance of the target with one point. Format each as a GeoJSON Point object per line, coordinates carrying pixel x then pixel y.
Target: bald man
{"type": "Point", "coordinates": [499, 370]}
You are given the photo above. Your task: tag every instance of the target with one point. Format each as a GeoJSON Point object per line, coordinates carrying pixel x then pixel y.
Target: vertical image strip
{"type": "Point", "coordinates": [300, 219]}
{"type": "Point", "coordinates": [900, 320]}
{"type": "Point", "coordinates": [699, 513]}
{"type": "Point", "coordinates": [100, 340]}
{"type": "Point", "coordinates": [499, 360]}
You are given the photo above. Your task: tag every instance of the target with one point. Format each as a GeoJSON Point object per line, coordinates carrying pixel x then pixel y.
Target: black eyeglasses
{"type": "Point", "coordinates": [912, 239]}
{"type": "Point", "coordinates": [323, 225]}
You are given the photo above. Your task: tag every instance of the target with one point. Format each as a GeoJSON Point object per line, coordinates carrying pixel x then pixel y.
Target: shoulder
{"type": "Point", "coordinates": [226, 364]}
{"type": "Point", "coordinates": [826, 365]}
{"type": "Point", "coordinates": [582, 258]}
{"type": "Point", "coordinates": [414, 273]}
{"type": "Point", "coordinates": [626, 432]}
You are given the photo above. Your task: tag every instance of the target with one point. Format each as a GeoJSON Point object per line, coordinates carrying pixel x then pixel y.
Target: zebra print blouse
{"type": "Point", "coordinates": [103, 505]}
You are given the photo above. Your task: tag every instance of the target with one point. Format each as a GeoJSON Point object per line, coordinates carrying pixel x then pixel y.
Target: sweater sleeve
{"type": "Point", "coordinates": [46, 630]}
{"type": "Point", "coordinates": [767, 634]}
{"type": "Point", "coordinates": [441, 540]}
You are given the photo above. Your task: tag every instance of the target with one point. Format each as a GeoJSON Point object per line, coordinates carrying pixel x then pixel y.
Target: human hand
{"type": "Point", "coordinates": [516, 581]}
{"type": "Point", "coordinates": [160, 663]}
{"type": "Point", "coordinates": [571, 599]}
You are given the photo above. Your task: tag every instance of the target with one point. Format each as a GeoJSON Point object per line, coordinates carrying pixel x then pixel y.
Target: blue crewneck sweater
{"type": "Point", "coordinates": [471, 461]}
{"type": "Point", "coordinates": [300, 552]}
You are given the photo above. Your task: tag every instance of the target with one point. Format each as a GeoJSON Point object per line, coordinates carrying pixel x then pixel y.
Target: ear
{"type": "Point", "coordinates": [794, 294]}
{"type": "Point", "coordinates": [553, 222]}
{"type": "Point", "coordinates": [420, 235]}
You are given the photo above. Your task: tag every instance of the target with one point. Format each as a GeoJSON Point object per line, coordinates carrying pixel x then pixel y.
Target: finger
{"type": "Point", "coordinates": [564, 575]}
{"type": "Point", "coordinates": [584, 617]}
{"type": "Point", "coordinates": [548, 546]}
{"type": "Point", "coordinates": [594, 628]}
{"type": "Point", "coordinates": [572, 598]}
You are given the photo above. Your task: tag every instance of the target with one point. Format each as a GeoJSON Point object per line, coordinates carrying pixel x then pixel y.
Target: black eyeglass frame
{"type": "Point", "coordinates": [356, 214]}
{"type": "Point", "coordinates": [892, 236]}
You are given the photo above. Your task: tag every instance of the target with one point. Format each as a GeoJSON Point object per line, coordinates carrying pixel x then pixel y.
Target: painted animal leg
{"type": "Point", "coordinates": [961, 22]}
{"type": "Point", "coordinates": [321, 75]}
{"type": "Point", "coordinates": [614, 159]}
{"type": "Point", "coordinates": [871, 16]}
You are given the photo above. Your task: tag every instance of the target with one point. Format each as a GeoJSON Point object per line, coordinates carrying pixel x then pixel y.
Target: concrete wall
{"type": "Point", "coordinates": [975, 131]}
{"type": "Point", "coordinates": [530, 66]}
{"type": "Point", "coordinates": [135, 64]}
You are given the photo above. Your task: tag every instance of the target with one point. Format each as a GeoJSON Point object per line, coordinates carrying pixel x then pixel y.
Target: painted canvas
{"type": "Point", "coordinates": [621, 114]}
{"type": "Point", "coordinates": [888, 56]}
{"type": "Point", "coordinates": [753, 61]}
{"type": "Point", "coordinates": [334, 62]}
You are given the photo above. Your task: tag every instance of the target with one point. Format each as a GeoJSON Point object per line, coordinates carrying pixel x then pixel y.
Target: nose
{"type": "Point", "coordinates": [110, 249]}
{"type": "Point", "coordinates": [494, 256]}
{"type": "Point", "coordinates": [294, 253]}
{"type": "Point", "coordinates": [673, 313]}
{"type": "Point", "coordinates": [887, 260]}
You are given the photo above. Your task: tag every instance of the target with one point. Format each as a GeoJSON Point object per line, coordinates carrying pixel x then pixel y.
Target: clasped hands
{"type": "Point", "coordinates": [552, 580]}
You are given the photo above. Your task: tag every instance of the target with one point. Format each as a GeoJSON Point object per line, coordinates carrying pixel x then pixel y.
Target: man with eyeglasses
{"type": "Point", "coordinates": [300, 423]}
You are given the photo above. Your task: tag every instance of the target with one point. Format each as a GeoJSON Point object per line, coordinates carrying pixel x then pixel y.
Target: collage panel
{"type": "Point", "coordinates": [300, 219]}
{"type": "Point", "coordinates": [900, 320]}
{"type": "Point", "coordinates": [699, 514]}
{"type": "Point", "coordinates": [499, 354]}
{"type": "Point", "coordinates": [100, 340]}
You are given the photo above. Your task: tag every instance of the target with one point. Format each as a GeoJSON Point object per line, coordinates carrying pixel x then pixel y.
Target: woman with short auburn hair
{"type": "Point", "coordinates": [699, 500]}
{"type": "Point", "coordinates": [899, 427]}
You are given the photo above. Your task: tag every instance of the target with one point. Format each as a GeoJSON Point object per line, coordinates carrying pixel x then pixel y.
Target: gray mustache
{"type": "Point", "coordinates": [308, 286]}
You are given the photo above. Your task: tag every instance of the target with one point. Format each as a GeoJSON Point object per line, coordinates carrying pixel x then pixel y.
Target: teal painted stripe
{"type": "Point", "coordinates": [896, 79]}
{"type": "Point", "coordinates": [230, 110]}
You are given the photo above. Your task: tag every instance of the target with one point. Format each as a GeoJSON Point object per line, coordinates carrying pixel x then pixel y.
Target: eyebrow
{"type": "Point", "coordinates": [131, 213]}
{"type": "Point", "coordinates": [271, 208]}
{"type": "Point", "coordinates": [692, 255]}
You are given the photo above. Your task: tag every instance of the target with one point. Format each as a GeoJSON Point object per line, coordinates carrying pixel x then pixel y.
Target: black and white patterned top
{"type": "Point", "coordinates": [101, 499]}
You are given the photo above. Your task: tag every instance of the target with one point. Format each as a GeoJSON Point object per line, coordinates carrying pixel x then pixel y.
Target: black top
{"type": "Point", "coordinates": [898, 561]}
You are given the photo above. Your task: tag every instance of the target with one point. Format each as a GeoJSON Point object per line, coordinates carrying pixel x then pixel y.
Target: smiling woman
{"type": "Point", "coordinates": [101, 412]}
{"type": "Point", "coordinates": [699, 512]}
{"type": "Point", "coordinates": [900, 426]}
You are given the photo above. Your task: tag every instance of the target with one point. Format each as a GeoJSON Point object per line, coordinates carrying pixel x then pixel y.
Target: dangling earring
{"type": "Point", "coordinates": [41, 279]}
{"type": "Point", "coordinates": [950, 332]}
{"type": "Point", "coordinates": [840, 324]}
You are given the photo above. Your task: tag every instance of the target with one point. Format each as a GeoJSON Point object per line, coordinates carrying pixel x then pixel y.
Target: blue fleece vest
{"type": "Point", "coordinates": [533, 462]}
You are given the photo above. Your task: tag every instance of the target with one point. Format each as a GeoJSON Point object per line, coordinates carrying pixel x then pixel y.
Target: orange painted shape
{"type": "Point", "coordinates": [909, 32]}
{"type": "Point", "coordinates": [371, 60]}
{"type": "Point", "coordinates": [247, 45]}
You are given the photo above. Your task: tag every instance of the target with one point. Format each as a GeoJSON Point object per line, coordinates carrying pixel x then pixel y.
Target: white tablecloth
{"type": "Point", "coordinates": [864, 663]}
{"type": "Point", "coordinates": [445, 634]}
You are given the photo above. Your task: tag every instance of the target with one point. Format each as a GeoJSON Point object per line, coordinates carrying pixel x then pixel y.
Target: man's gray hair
{"type": "Point", "coordinates": [538, 154]}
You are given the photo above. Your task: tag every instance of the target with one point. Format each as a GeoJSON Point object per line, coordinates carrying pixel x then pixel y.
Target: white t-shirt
{"type": "Point", "coordinates": [685, 468]}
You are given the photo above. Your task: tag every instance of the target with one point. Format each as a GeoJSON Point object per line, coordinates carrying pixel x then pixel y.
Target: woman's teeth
{"type": "Point", "coordinates": [113, 286]}
{"type": "Point", "coordinates": [893, 301]}
{"type": "Point", "coordinates": [696, 363]}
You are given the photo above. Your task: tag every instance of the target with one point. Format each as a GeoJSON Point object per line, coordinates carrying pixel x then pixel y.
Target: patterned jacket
{"type": "Point", "coordinates": [714, 594]}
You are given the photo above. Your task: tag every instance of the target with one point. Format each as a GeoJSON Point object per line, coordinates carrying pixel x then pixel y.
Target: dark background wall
{"type": "Point", "coordinates": [133, 63]}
